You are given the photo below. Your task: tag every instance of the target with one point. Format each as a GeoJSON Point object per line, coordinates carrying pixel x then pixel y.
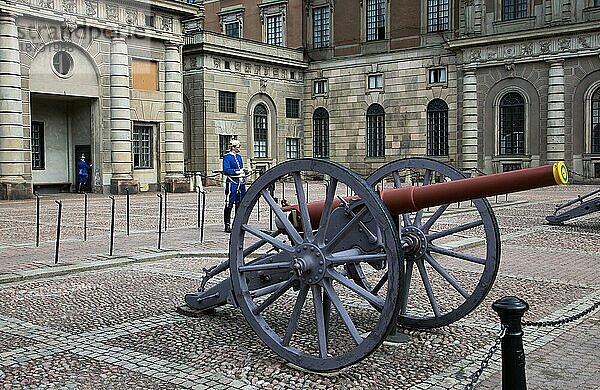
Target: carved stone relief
{"type": "Point", "coordinates": [167, 23]}
{"type": "Point", "coordinates": [131, 16]}
{"type": "Point", "coordinates": [91, 8]}
{"type": "Point", "coordinates": [69, 6]}
{"type": "Point", "coordinates": [112, 12]}
{"type": "Point", "coordinates": [46, 4]}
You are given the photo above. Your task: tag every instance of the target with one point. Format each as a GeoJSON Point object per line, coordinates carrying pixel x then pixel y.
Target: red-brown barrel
{"type": "Point", "coordinates": [410, 199]}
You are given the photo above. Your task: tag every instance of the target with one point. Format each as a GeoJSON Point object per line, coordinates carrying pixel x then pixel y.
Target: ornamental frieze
{"type": "Point", "coordinates": [247, 67]}
{"type": "Point", "coordinates": [69, 6]}
{"type": "Point", "coordinates": [167, 23]}
{"type": "Point", "coordinates": [91, 7]}
{"type": "Point", "coordinates": [46, 4]}
{"type": "Point", "coordinates": [528, 49]}
{"type": "Point", "coordinates": [112, 12]}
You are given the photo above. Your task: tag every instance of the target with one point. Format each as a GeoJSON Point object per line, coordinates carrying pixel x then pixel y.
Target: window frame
{"type": "Point", "coordinates": [437, 128]}
{"type": "Point", "coordinates": [41, 146]}
{"type": "Point", "coordinates": [594, 140]}
{"type": "Point", "coordinates": [324, 29]}
{"type": "Point", "coordinates": [320, 87]}
{"type": "Point", "coordinates": [260, 131]}
{"type": "Point", "coordinates": [231, 23]}
{"type": "Point", "coordinates": [437, 71]}
{"type": "Point", "coordinates": [516, 10]}
{"type": "Point", "coordinates": [138, 150]}
{"type": "Point", "coordinates": [227, 102]}
{"type": "Point", "coordinates": [224, 140]}
{"type": "Point", "coordinates": [321, 133]}
{"type": "Point", "coordinates": [274, 31]}
{"type": "Point", "coordinates": [292, 108]}
{"type": "Point", "coordinates": [376, 20]}
{"type": "Point", "coordinates": [376, 77]}
{"type": "Point", "coordinates": [375, 122]}
{"type": "Point", "coordinates": [438, 14]}
{"type": "Point", "coordinates": [292, 147]}
{"type": "Point", "coordinates": [516, 145]}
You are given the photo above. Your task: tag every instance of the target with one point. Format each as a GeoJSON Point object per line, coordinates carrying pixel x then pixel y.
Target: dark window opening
{"type": "Point", "coordinates": [375, 131]}
{"type": "Point", "coordinates": [437, 128]}
{"type": "Point", "coordinates": [226, 101]}
{"type": "Point", "coordinates": [321, 133]}
{"type": "Point", "coordinates": [292, 108]}
{"type": "Point", "coordinates": [37, 145]}
{"type": "Point", "coordinates": [142, 146]}
{"type": "Point", "coordinates": [512, 124]}
{"type": "Point", "coordinates": [260, 131]}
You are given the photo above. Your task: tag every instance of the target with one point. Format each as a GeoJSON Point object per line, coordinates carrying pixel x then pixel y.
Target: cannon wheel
{"type": "Point", "coordinates": [316, 317]}
{"type": "Point", "coordinates": [448, 297]}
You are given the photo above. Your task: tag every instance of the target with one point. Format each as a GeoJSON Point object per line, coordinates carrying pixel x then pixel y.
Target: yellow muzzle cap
{"type": "Point", "coordinates": [561, 173]}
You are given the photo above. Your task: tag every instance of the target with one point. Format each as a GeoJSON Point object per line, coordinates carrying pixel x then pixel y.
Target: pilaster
{"type": "Point", "coordinates": [555, 129]}
{"type": "Point", "coordinates": [470, 144]}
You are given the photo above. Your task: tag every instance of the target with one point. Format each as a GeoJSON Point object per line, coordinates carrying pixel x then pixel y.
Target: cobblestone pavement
{"type": "Point", "coordinates": [97, 321]}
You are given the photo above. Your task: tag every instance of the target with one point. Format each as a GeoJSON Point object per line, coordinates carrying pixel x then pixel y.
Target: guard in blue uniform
{"type": "Point", "coordinates": [235, 184]}
{"type": "Point", "coordinates": [82, 173]}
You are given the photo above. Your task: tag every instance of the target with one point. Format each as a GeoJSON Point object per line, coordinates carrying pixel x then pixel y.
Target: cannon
{"type": "Point", "coordinates": [325, 284]}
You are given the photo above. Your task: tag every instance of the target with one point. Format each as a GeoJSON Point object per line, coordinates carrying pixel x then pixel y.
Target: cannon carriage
{"type": "Point", "coordinates": [325, 284]}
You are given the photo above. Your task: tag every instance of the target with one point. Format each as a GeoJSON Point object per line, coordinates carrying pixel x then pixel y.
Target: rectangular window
{"type": "Point", "coordinates": [437, 76]}
{"type": "Point", "coordinates": [142, 146]}
{"type": "Point", "coordinates": [292, 108]}
{"type": "Point", "coordinates": [511, 167]}
{"type": "Point", "coordinates": [292, 147]}
{"type": "Point", "coordinates": [232, 29]}
{"type": "Point", "coordinates": [437, 15]}
{"type": "Point", "coordinates": [375, 20]}
{"type": "Point", "coordinates": [226, 101]}
{"type": "Point", "coordinates": [375, 136]}
{"type": "Point", "coordinates": [321, 27]}
{"type": "Point", "coordinates": [596, 4]}
{"type": "Point", "coordinates": [595, 147]}
{"type": "Point", "coordinates": [275, 30]}
{"type": "Point", "coordinates": [149, 20]}
{"type": "Point", "coordinates": [145, 74]}
{"type": "Point", "coordinates": [224, 140]}
{"type": "Point", "coordinates": [320, 87]}
{"type": "Point", "coordinates": [597, 165]}
{"type": "Point", "coordinates": [514, 9]}
{"type": "Point", "coordinates": [37, 145]}
{"type": "Point", "coordinates": [376, 81]}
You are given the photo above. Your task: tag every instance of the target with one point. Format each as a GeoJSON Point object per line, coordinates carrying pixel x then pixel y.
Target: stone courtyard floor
{"type": "Point", "coordinates": [96, 321]}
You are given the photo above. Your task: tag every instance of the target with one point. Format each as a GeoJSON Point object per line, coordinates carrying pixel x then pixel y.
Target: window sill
{"type": "Point", "coordinates": [503, 26]}
{"type": "Point", "coordinates": [591, 14]}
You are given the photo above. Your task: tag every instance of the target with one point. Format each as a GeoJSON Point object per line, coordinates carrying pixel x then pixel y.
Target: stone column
{"type": "Point", "coordinates": [470, 121]}
{"type": "Point", "coordinates": [555, 129]}
{"type": "Point", "coordinates": [174, 160]}
{"type": "Point", "coordinates": [13, 184]}
{"type": "Point", "coordinates": [120, 118]}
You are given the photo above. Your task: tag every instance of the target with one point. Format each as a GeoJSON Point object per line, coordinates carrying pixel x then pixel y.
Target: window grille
{"type": "Point", "coordinates": [292, 147]}
{"type": "Point", "coordinates": [321, 133]}
{"type": "Point", "coordinates": [375, 131]}
{"type": "Point", "coordinates": [321, 27]}
{"type": "Point", "coordinates": [376, 81]}
{"type": "Point", "coordinates": [37, 145]}
{"type": "Point", "coordinates": [292, 108]}
{"type": "Point", "coordinates": [142, 146]}
{"type": "Point", "coordinates": [275, 30]}
{"type": "Point", "coordinates": [437, 128]}
{"type": "Point", "coordinates": [596, 122]}
{"type": "Point", "coordinates": [226, 101]}
{"type": "Point", "coordinates": [375, 20]}
{"type": "Point", "coordinates": [260, 131]}
{"type": "Point", "coordinates": [512, 124]}
{"type": "Point", "coordinates": [514, 9]}
{"type": "Point", "coordinates": [232, 29]}
{"type": "Point", "coordinates": [437, 15]}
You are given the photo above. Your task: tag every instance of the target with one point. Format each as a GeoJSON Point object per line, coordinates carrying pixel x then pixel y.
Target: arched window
{"type": "Point", "coordinates": [260, 131]}
{"type": "Point", "coordinates": [375, 131]}
{"type": "Point", "coordinates": [321, 133]}
{"type": "Point", "coordinates": [512, 124]}
{"type": "Point", "coordinates": [437, 128]}
{"type": "Point", "coordinates": [596, 122]}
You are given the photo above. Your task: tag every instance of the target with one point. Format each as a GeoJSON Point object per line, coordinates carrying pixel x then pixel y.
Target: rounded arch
{"type": "Point", "coordinates": [582, 112]}
{"type": "Point", "coordinates": [271, 121]}
{"type": "Point", "coordinates": [437, 105]}
{"type": "Point", "coordinates": [535, 137]}
{"type": "Point", "coordinates": [82, 80]}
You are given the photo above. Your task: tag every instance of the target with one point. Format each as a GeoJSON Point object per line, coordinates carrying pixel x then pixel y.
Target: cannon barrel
{"type": "Point", "coordinates": [414, 198]}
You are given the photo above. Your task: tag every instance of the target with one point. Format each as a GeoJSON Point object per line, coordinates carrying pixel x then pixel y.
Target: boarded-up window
{"type": "Point", "coordinates": [145, 75]}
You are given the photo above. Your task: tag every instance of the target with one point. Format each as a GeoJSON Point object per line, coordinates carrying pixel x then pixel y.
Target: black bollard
{"type": "Point", "coordinates": [282, 189]}
{"type": "Point", "coordinates": [272, 192]}
{"type": "Point", "coordinates": [198, 204]}
{"type": "Point", "coordinates": [307, 191]}
{"type": "Point", "coordinates": [510, 310]}
{"type": "Point", "coordinates": [85, 210]}
{"type": "Point", "coordinates": [127, 210]}
{"type": "Point", "coordinates": [112, 226]}
{"type": "Point", "coordinates": [37, 220]}
{"type": "Point", "coordinates": [159, 218]}
{"type": "Point", "coordinates": [59, 203]}
{"type": "Point", "coordinates": [165, 187]}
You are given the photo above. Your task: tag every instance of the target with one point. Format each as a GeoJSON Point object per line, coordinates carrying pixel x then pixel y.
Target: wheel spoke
{"type": "Point", "coordinates": [295, 317]}
{"type": "Point", "coordinates": [438, 213]}
{"type": "Point", "coordinates": [427, 177]}
{"type": "Point", "coordinates": [257, 245]}
{"type": "Point", "coordinates": [442, 271]}
{"type": "Point", "coordinates": [291, 230]}
{"type": "Point", "coordinates": [339, 306]}
{"type": "Point", "coordinates": [354, 256]}
{"type": "Point", "coordinates": [279, 292]}
{"type": "Point", "coordinates": [264, 266]}
{"type": "Point", "coordinates": [302, 206]}
{"type": "Point", "coordinates": [345, 230]}
{"type": "Point", "coordinates": [406, 287]}
{"type": "Point", "coordinates": [454, 230]}
{"type": "Point", "coordinates": [320, 319]}
{"type": "Point", "coordinates": [268, 238]}
{"type": "Point", "coordinates": [458, 255]}
{"type": "Point", "coordinates": [427, 284]}
{"type": "Point", "coordinates": [259, 292]}
{"type": "Point", "coordinates": [380, 284]}
{"type": "Point", "coordinates": [324, 221]}
{"type": "Point", "coordinates": [368, 296]}
{"type": "Point", "coordinates": [397, 179]}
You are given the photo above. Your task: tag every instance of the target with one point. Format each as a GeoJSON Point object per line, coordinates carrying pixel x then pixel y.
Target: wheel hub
{"type": "Point", "coordinates": [309, 263]}
{"type": "Point", "coordinates": [416, 240]}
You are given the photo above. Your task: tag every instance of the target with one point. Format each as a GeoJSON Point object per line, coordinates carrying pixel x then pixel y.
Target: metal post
{"type": "Point", "coordinates": [510, 310]}
{"type": "Point", "coordinates": [159, 218]}
{"type": "Point", "coordinates": [37, 220]}
{"type": "Point", "coordinates": [307, 191]}
{"type": "Point", "coordinates": [282, 190]}
{"type": "Point", "coordinates": [165, 187]}
{"type": "Point", "coordinates": [127, 210]}
{"type": "Point", "coordinates": [112, 226]}
{"type": "Point", "coordinates": [198, 204]}
{"type": "Point", "coordinates": [57, 231]}
{"type": "Point", "coordinates": [85, 210]}
{"type": "Point", "coordinates": [272, 191]}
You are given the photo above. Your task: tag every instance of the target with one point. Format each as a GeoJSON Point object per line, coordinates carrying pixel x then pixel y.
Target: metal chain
{"type": "Point", "coordinates": [563, 321]}
{"type": "Point", "coordinates": [486, 360]}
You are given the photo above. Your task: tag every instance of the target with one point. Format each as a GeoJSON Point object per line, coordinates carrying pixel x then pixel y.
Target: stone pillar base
{"type": "Point", "coordinates": [15, 191]}
{"type": "Point", "coordinates": [118, 186]}
{"type": "Point", "coordinates": [178, 184]}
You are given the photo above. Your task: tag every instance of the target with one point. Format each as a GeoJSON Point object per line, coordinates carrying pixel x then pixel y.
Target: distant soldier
{"type": "Point", "coordinates": [235, 184]}
{"type": "Point", "coordinates": [82, 173]}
